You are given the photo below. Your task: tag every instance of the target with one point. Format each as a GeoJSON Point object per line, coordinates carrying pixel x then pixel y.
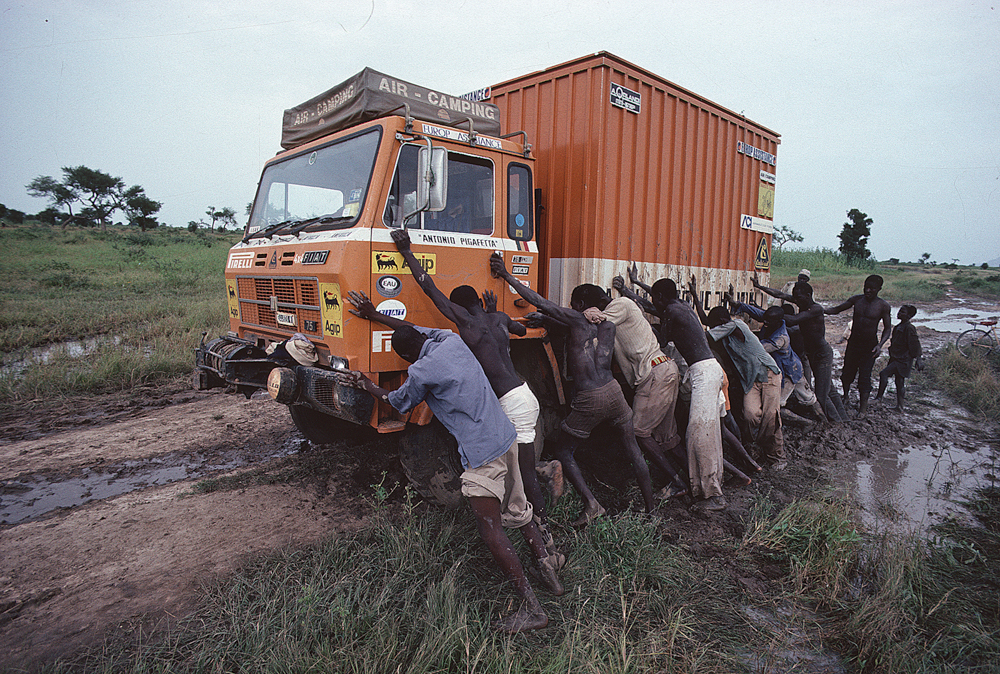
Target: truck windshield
{"type": "Point", "coordinates": [322, 189]}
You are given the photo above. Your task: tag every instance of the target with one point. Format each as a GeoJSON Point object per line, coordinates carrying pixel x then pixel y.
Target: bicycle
{"type": "Point", "coordinates": [978, 340]}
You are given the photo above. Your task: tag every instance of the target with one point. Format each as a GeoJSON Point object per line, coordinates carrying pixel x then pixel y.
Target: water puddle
{"type": "Point", "coordinates": [32, 497]}
{"type": "Point", "coordinates": [17, 362]}
{"type": "Point", "coordinates": [954, 320]}
{"type": "Point", "coordinates": [924, 483]}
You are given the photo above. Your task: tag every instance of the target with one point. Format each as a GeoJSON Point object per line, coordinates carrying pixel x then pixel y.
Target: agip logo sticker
{"type": "Point", "coordinates": [331, 309]}
{"type": "Point", "coordinates": [234, 300]}
{"type": "Point", "coordinates": [387, 262]}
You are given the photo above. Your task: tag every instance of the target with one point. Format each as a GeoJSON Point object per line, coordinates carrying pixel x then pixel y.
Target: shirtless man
{"type": "Point", "coordinates": [444, 372]}
{"type": "Point", "coordinates": [488, 337]}
{"type": "Point", "coordinates": [598, 396]}
{"type": "Point", "coordinates": [680, 325]}
{"type": "Point", "coordinates": [812, 326]}
{"type": "Point", "coordinates": [864, 345]}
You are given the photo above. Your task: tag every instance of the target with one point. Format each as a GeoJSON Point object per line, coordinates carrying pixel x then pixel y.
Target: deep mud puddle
{"type": "Point", "coordinates": [31, 497]}
{"type": "Point", "coordinates": [941, 457]}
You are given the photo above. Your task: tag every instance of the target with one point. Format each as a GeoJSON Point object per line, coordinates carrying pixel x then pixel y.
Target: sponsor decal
{"type": "Point", "coordinates": [767, 177]}
{"type": "Point", "coordinates": [287, 320]}
{"type": "Point", "coordinates": [355, 195]}
{"type": "Point", "coordinates": [273, 264]}
{"type": "Point", "coordinates": [381, 341]}
{"type": "Point", "coordinates": [519, 269]}
{"type": "Point", "coordinates": [461, 136]}
{"type": "Point", "coordinates": [755, 153]}
{"type": "Point", "coordinates": [388, 286]}
{"type": "Point", "coordinates": [314, 257]}
{"type": "Point", "coordinates": [521, 259]}
{"type": "Point", "coordinates": [625, 98]}
{"type": "Point", "coordinates": [392, 308]}
{"type": "Point", "coordinates": [765, 201]}
{"type": "Point", "coordinates": [240, 260]}
{"type": "Point", "coordinates": [331, 310]}
{"type": "Point", "coordinates": [385, 261]}
{"type": "Point", "coordinates": [234, 300]}
{"type": "Point", "coordinates": [756, 224]}
{"type": "Point", "coordinates": [762, 260]}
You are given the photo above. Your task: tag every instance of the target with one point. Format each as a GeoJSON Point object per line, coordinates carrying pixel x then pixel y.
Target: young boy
{"type": "Point", "coordinates": [904, 349]}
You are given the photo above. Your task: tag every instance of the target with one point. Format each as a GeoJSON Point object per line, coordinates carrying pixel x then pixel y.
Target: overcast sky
{"type": "Point", "coordinates": [889, 107]}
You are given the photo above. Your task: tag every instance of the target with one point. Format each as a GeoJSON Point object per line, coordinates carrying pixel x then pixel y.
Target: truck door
{"type": "Point", "coordinates": [453, 244]}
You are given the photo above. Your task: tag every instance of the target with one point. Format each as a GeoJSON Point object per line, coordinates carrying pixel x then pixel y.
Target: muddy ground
{"type": "Point", "coordinates": [104, 532]}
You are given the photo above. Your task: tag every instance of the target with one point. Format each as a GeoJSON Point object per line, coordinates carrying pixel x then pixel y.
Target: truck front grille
{"type": "Point", "coordinates": [298, 297]}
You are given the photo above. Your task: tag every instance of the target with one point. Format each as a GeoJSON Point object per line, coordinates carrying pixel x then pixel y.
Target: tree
{"type": "Point", "coordinates": [784, 234]}
{"type": "Point", "coordinates": [140, 210]}
{"type": "Point", "coordinates": [100, 195]}
{"type": "Point", "coordinates": [924, 258]}
{"type": "Point", "coordinates": [854, 236]}
{"type": "Point", "coordinates": [226, 216]}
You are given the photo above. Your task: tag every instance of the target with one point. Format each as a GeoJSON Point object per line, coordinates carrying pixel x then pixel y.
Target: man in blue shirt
{"type": "Point", "coordinates": [446, 374]}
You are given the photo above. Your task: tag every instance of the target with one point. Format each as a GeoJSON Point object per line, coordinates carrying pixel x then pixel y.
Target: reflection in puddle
{"type": "Point", "coordinates": [31, 497]}
{"type": "Point", "coordinates": [915, 486]}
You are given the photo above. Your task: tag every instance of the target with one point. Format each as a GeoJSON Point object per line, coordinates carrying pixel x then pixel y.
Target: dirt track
{"type": "Point", "coordinates": [73, 576]}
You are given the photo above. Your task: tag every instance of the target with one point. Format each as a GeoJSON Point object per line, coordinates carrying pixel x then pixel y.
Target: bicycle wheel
{"type": "Point", "coordinates": [975, 341]}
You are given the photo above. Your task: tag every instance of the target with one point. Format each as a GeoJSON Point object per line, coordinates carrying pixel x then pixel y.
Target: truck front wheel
{"type": "Point", "coordinates": [323, 429]}
{"type": "Point", "coordinates": [429, 455]}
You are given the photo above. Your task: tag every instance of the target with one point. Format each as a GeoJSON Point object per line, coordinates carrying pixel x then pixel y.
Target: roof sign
{"type": "Point", "coordinates": [755, 153]}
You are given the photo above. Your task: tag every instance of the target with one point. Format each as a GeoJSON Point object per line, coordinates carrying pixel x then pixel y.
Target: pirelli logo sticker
{"type": "Point", "coordinates": [384, 262]}
{"type": "Point", "coordinates": [332, 309]}
{"type": "Point", "coordinates": [234, 300]}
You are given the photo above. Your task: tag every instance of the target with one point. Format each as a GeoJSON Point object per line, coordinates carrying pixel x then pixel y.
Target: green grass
{"type": "Point", "coordinates": [834, 278]}
{"type": "Point", "coordinates": [419, 593]}
{"type": "Point", "coordinates": [147, 296]}
{"type": "Point", "coordinates": [973, 381]}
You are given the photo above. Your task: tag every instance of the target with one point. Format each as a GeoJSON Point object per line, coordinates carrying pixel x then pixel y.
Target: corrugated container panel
{"type": "Point", "coordinates": [665, 187]}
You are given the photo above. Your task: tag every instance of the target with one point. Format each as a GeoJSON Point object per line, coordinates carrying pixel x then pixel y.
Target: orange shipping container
{"type": "Point", "coordinates": [631, 167]}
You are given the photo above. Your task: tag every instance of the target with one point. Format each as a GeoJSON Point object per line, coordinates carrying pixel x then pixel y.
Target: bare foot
{"type": "Point", "coordinates": [589, 513]}
{"type": "Point", "coordinates": [552, 475]}
{"type": "Point", "coordinates": [524, 620]}
{"type": "Point", "coordinates": [671, 491]}
{"type": "Point", "coordinates": [547, 575]}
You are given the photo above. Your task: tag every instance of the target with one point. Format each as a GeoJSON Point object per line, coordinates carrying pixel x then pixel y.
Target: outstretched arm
{"type": "Point", "coordinates": [846, 304]}
{"type": "Point", "coordinates": [618, 283]}
{"type": "Point", "coordinates": [450, 310]}
{"type": "Point", "coordinates": [359, 381]}
{"type": "Point", "coordinates": [563, 314]}
{"type": "Point", "coordinates": [633, 276]}
{"type": "Point", "coordinates": [770, 291]}
{"type": "Point", "coordinates": [693, 289]}
{"type": "Point", "coordinates": [364, 308]}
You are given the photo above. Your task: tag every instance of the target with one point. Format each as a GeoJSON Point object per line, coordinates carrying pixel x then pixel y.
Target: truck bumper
{"type": "Point", "coordinates": [241, 365]}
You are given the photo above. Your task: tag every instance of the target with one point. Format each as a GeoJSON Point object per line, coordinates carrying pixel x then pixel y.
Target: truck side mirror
{"type": "Point", "coordinates": [432, 179]}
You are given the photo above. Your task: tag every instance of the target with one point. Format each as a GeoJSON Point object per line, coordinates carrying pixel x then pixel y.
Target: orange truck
{"type": "Point", "coordinates": [572, 174]}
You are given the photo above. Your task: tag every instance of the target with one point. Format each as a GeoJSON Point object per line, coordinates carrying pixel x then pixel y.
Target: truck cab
{"type": "Point", "coordinates": [320, 227]}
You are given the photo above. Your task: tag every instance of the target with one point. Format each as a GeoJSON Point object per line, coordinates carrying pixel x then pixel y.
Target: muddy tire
{"type": "Point", "coordinates": [975, 341]}
{"type": "Point", "coordinates": [322, 429]}
{"type": "Point", "coordinates": [429, 455]}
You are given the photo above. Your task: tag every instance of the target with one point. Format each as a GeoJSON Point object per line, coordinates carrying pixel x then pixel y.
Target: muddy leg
{"type": "Point", "coordinates": [530, 615]}
{"type": "Point", "coordinates": [591, 507]}
{"type": "Point", "coordinates": [526, 464]}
